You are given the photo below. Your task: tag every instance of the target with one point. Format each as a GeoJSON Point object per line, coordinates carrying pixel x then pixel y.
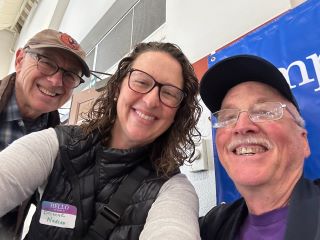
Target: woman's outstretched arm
{"type": "Point", "coordinates": [174, 214]}
{"type": "Point", "coordinates": [25, 165]}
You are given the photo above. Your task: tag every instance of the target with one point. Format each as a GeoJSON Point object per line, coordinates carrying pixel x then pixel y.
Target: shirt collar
{"type": "Point", "coordinates": [12, 113]}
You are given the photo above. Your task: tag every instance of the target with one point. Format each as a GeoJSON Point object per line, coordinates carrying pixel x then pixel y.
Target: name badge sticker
{"type": "Point", "coordinates": [58, 214]}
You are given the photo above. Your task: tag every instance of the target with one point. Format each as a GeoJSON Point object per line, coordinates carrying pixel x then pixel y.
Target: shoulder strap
{"type": "Point", "coordinates": [74, 180]}
{"type": "Point", "coordinates": [111, 213]}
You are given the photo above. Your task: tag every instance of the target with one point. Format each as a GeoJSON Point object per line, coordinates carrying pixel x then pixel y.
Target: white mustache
{"type": "Point", "coordinates": [249, 140]}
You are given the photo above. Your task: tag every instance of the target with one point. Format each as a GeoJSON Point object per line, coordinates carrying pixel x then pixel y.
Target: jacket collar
{"type": "Point", "coordinates": [304, 212]}
{"type": "Point", "coordinates": [6, 89]}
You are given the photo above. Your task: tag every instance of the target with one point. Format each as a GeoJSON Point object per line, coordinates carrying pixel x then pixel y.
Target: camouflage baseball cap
{"type": "Point", "coordinates": [50, 38]}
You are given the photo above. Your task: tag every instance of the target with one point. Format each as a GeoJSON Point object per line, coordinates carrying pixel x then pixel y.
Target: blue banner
{"type": "Point", "coordinates": [292, 43]}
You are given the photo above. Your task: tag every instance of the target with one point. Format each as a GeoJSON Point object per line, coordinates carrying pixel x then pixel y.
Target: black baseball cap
{"type": "Point", "coordinates": [229, 72]}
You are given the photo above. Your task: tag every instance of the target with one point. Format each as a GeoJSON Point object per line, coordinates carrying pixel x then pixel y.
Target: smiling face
{"type": "Point", "coordinates": [269, 153]}
{"type": "Point", "coordinates": [141, 118]}
{"type": "Point", "coordinates": [36, 93]}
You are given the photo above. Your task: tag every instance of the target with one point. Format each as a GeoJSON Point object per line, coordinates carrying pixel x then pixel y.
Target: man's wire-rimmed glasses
{"type": "Point", "coordinates": [259, 112]}
{"type": "Point", "coordinates": [142, 82]}
{"type": "Point", "coordinates": [48, 68]}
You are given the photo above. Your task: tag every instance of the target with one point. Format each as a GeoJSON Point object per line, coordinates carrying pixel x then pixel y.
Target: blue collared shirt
{"type": "Point", "coordinates": [13, 126]}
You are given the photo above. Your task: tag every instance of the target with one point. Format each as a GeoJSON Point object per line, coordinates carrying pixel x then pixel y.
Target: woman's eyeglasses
{"type": "Point", "coordinates": [142, 82]}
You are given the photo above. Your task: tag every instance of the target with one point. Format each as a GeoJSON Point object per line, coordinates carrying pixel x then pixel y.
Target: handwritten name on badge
{"type": "Point", "coordinates": [58, 214]}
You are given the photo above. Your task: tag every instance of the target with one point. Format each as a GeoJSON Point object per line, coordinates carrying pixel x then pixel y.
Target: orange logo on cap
{"type": "Point", "coordinates": [69, 41]}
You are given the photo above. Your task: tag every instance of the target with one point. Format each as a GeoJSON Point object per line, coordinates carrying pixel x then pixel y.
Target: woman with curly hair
{"type": "Point", "coordinates": [117, 175]}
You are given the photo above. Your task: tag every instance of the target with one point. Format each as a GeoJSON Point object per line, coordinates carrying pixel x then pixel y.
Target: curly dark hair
{"type": "Point", "coordinates": [177, 143]}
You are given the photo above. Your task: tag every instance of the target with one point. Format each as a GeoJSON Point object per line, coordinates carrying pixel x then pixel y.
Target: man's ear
{"type": "Point", "coordinates": [20, 54]}
{"type": "Point", "coordinates": [306, 145]}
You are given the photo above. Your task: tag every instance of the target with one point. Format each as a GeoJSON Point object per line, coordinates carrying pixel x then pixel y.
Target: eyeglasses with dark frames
{"type": "Point", "coordinates": [48, 68]}
{"type": "Point", "coordinates": [259, 112]}
{"type": "Point", "coordinates": [142, 82]}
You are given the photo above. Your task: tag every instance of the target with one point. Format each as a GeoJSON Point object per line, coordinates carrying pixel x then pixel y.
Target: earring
{"type": "Point", "coordinates": [115, 99]}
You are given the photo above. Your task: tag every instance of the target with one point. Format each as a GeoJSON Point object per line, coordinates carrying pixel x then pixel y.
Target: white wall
{"type": "Point", "coordinates": [204, 181]}
{"type": "Point", "coordinates": [7, 43]}
{"type": "Point", "coordinates": [39, 19]}
{"type": "Point", "coordinates": [199, 27]}
{"type": "Point", "coordinates": [82, 15]}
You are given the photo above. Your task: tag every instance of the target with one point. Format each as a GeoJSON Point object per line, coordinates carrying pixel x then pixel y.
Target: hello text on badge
{"type": "Point", "coordinates": [58, 214]}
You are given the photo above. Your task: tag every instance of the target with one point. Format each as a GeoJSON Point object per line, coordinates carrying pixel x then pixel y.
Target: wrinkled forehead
{"type": "Point", "coordinates": [254, 91]}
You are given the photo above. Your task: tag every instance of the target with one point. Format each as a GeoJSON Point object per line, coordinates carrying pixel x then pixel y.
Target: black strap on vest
{"type": "Point", "coordinates": [75, 183]}
{"type": "Point", "coordinates": [110, 214]}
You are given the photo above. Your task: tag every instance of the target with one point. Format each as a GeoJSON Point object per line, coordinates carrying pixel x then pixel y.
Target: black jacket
{"type": "Point", "coordinates": [224, 221]}
{"type": "Point", "coordinates": [98, 172]}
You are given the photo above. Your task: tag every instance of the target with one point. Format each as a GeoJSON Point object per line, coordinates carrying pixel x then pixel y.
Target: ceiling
{"type": "Point", "coordinates": [13, 13]}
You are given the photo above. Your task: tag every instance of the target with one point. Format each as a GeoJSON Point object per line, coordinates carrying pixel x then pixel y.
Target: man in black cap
{"type": "Point", "coordinates": [48, 68]}
{"type": "Point", "coordinates": [262, 143]}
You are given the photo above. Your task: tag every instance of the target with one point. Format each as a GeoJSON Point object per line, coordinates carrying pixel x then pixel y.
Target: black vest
{"type": "Point", "coordinates": [97, 174]}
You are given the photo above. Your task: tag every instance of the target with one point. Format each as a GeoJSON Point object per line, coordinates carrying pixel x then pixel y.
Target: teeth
{"type": "Point", "coordinates": [249, 145]}
{"type": "Point", "coordinates": [249, 150]}
{"type": "Point", "coordinates": [47, 92]}
{"type": "Point", "coordinates": [146, 117]}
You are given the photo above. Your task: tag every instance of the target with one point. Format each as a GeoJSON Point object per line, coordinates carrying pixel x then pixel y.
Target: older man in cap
{"type": "Point", "coordinates": [262, 142]}
{"type": "Point", "coordinates": [48, 68]}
